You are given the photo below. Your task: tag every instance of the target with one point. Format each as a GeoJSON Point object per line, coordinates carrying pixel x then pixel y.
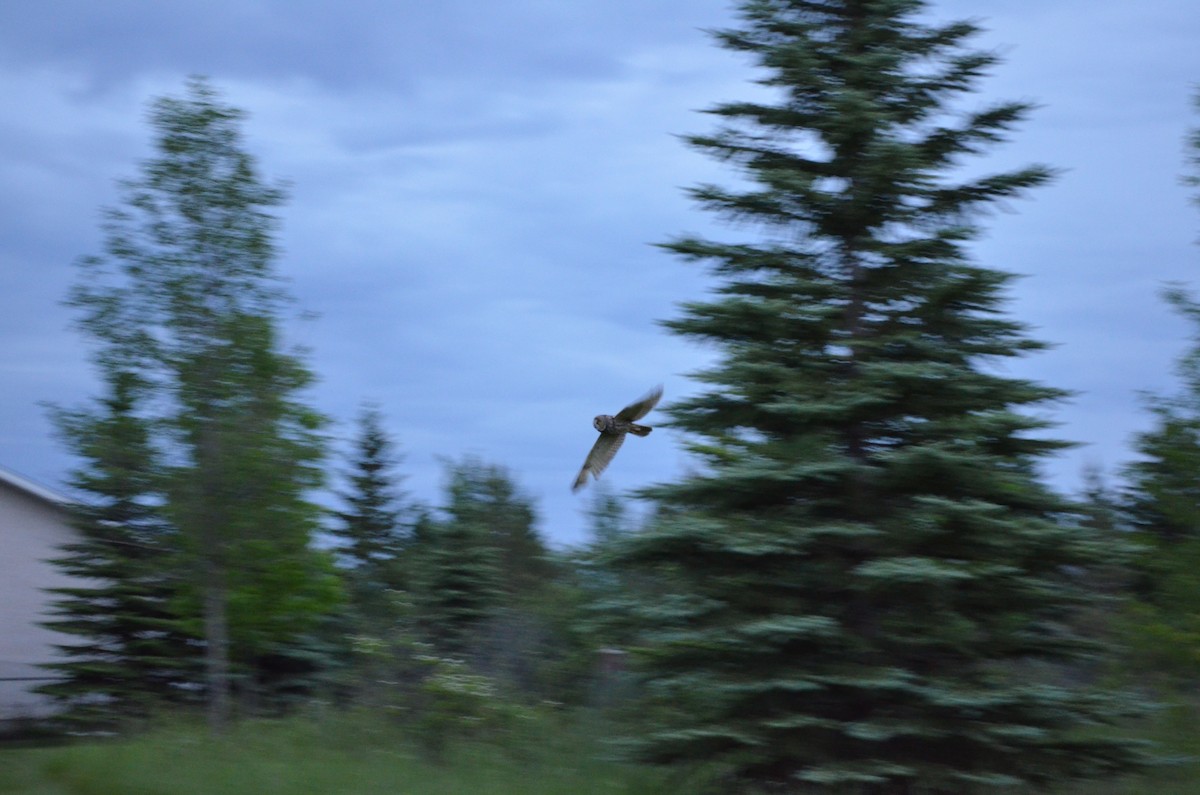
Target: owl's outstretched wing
{"type": "Point", "coordinates": [635, 411]}
{"type": "Point", "coordinates": [601, 453]}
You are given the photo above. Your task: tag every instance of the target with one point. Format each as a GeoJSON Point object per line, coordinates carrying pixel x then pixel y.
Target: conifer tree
{"type": "Point", "coordinates": [608, 518]}
{"type": "Point", "coordinates": [1162, 503]}
{"type": "Point", "coordinates": [861, 573]}
{"type": "Point", "coordinates": [130, 653]}
{"type": "Point", "coordinates": [185, 295]}
{"type": "Point", "coordinates": [516, 641]}
{"type": "Point", "coordinates": [370, 527]}
{"type": "Point", "coordinates": [482, 558]}
{"type": "Point", "coordinates": [456, 585]}
{"type": "Point", "coordinates": [606, 591]}
{"type": "Point", "coordinates": [456, 567]}
{"type": "Point", "coordinates": [487, 494]}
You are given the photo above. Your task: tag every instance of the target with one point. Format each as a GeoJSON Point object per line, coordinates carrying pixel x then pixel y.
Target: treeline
{"type": "Point", "coordinates": [207, 572]}
{"type": "Point", "coordinates": [863, 586]}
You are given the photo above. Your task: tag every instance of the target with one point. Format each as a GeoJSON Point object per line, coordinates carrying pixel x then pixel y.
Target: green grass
{"type": "Point", "coordinates": [361, 754]}
{"type": "Point", "coordinates": [337, 755]}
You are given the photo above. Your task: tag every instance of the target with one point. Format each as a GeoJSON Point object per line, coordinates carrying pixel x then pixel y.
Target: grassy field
{"type": "Point", "coordinates": [360, 755]}
{"type": "Point", "coordinates": [326, 756]}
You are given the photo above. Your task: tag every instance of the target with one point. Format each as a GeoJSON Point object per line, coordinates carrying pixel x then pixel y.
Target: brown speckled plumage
{"type": "Point", "coordinates": [613, 430]}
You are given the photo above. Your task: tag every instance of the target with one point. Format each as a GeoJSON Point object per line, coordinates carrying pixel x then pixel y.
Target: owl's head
{"type": "Point", "coordinates": [602, 422]}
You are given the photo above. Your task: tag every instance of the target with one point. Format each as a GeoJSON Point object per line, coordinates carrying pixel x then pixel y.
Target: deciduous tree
{"type": "Point", "coordinates": [186, 296]}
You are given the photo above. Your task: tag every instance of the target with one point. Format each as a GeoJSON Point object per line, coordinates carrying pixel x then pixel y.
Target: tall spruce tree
{"type": "Point", "coordinates": [186, 297]}
{"type": "Point", "coordinates": [370, 528]}
{"type": "Point", "coordinates": [130, 652]}
{"type": "Point", "coordinates": [861, 573]}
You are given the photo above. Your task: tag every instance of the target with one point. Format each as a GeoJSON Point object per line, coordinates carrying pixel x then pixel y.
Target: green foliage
{"type": "Point", "coordinates": [439, 699]}
{"type": "Point", "coordinates": [373, 533]}
{"type": "Point", "coordinates": [185, 297]}
{"type": "Point", "coordinates": [455, 583]}
{"type": "Point", "coordinates": [363, 752]}
{"type": "Point", "coordinates": [454, 703]}
{"type": "Point", "coordinates": [1164, 622]}
{"type": "Point", "coordinates": [1162, 504]}
{"type": "Point", "coordinates": [383, 669]}
{"type": "Point", "coordinates": [478, 585]}
{"type": "Point", "coordinates": [485, 495]}
{"type": "Point", "coordinates": [482, 557]}
{"type": "Point", "coordinates": [1163, 507]}
{"type": "Point", "coordinates": [1104, 616]}
{"type": "Point", "coordinates": [370, 529]}
{"type": "Point", "coordinates": [863, 587]}
{"type": "Point", "coordinates": [606, 616]}
{"type": "Point", "coordinates": [130, 653]}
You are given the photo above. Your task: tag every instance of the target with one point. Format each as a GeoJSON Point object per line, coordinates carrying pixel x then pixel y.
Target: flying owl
{"type": "Point", "coordinates": [612, 434]}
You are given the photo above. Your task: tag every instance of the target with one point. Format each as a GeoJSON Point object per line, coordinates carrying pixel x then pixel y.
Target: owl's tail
{"type": "Point", "coordinates": [639, 430]}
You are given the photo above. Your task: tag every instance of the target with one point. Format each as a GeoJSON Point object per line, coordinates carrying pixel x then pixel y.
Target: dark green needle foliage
{"type": "Point", "coordinates": [607, 590]}
{"type": "Point", "coordinates": [865, 584]}
{"type": "Point", "coordinates": [456, 566]}
{"type": "Point", "coordinates": [515, 643]}
{"type": "Point", "coordinates": [456, 587]}
{"type": "Point", "coordinates": [371, 528]}
{"type": "Point", "coordinates": [1162, 504]}
{"type": "Point", "coordinates": [129, 653]}
{"type": "Point", "coordinates": [482, 581]}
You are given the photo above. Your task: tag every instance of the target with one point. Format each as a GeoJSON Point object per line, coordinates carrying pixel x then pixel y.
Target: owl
{"type": "Point", "coordinates": [612, 434]}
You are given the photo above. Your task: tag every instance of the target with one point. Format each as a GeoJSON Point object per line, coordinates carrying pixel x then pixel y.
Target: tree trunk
{"type": "Point", "coordinates": [216, 656]}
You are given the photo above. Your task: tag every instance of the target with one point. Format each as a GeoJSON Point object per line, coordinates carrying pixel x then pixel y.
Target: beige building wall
{"type": "Point", "coordinates": [33, 525]}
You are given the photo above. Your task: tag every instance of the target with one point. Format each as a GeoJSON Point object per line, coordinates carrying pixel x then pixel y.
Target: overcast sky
{"type": "Point", "coordinates": [476, 187]}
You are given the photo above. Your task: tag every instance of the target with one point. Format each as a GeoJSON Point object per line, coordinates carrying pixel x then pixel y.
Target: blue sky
{"type": "Point", "coordinates": [476, 188]}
